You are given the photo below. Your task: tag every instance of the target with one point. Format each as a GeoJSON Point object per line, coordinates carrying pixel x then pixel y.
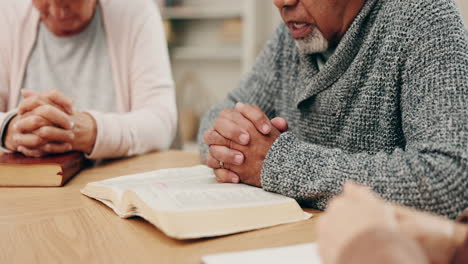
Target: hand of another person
{"type": "Point", "coordinates": [355, 211]}
{"type": "Point", "coordinates": [47, 124]}
{"type": "Point", "coordinates": [84, 126]}
{"type": "Point", "coordinates": [85, 131]}
{"type": "Point", "coordinates": [33, 100]}
{"type": "Point", "coordinates": [237, 142]}
{"type": "Point", "coordinates": [438, 237]}
{"type": "Point", "coordinates": [37, 143]}
{"type": "Point", "coordinates": [43, 125]}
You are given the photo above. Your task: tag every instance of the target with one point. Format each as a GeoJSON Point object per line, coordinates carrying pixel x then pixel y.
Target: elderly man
{"type": "Point", "coordinates": [370, 91]}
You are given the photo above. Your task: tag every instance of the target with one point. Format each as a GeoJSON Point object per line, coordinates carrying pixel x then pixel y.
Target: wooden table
{"type": "Point", "coordinates": [60, 225]}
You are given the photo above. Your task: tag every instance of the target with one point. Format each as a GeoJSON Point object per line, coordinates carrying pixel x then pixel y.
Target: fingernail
{"type": "Point", "coordinates": [15, 137]}
{"type": "Point", "coordinates": [244, 138]}
{"type": "Point", "coordinates": [20, 149]}
{"type": "Point", "coordinates": [266, 129]}
{"type": "Point", "coordinates": [235, 179]}
{"type": "Point", "coordinates": [72, 124]}
{"type": "Point", "coordinates": [239, 105]}
{"type": "Point", "coordinates": [15, 126]}
{"type": "Point", "coordinates": [69, 147]}
{"type": "Point", "coordinates": [238, 159]}
{"type": "Point", "coordinates": [72, 135]}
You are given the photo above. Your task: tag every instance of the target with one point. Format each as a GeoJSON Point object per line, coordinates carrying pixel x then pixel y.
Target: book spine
{"type": "Point", "coordinates": [71, 168]}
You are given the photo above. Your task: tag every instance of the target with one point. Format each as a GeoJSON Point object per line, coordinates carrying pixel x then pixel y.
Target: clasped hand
{"type": "Point", "coordinates": [46, 123]}
{"type": "Point", "coordinates": [240, 141]}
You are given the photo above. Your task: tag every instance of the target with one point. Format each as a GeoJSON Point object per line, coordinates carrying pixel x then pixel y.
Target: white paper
{"type": "Point", "coordinates": [298, 254]}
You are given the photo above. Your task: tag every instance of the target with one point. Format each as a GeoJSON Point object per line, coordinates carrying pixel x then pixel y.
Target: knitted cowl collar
{"type": "Point", "coordinates": [349, 46]}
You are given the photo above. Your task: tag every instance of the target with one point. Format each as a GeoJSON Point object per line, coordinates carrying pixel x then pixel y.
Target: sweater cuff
{"type": "Point", "coordinates": [287, 171]}
{"type": "Point", "coordinates": [3, 129]}
{"type": "Point", "coordinates": [104, 139]}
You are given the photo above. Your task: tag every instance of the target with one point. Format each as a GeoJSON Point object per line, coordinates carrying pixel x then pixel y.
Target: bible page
{"type": "Point", "coordinates": [194, 188]}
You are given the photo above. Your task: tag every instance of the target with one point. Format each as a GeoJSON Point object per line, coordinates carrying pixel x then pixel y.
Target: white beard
{"type": "Point", "coordinates": [315, 42]}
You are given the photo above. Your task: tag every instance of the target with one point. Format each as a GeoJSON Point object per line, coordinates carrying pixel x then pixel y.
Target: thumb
{"type": "Point", "coordinates": [280, 123]}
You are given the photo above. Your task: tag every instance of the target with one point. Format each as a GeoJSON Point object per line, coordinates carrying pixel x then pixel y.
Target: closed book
{"type": "Point", "coordinates": [17, 170]}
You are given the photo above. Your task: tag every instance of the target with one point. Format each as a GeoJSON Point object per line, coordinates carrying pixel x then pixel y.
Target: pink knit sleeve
{"type": "Point", "coordinates": [151, 123]}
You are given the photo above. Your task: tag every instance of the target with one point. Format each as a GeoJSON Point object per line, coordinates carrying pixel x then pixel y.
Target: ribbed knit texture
{"type": "Point", "coordinates": [389, 110]}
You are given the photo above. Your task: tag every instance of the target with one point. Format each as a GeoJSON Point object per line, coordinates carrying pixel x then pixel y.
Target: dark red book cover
{"type": "Point", "coordinates": [70, 163]}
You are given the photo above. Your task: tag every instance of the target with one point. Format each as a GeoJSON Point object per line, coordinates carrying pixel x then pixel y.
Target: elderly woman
{"type": "Point", "coordinates": [107, 61]}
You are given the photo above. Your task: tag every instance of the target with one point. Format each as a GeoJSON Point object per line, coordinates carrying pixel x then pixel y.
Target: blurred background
{"type": "Point", "coordinates": [212, 44]}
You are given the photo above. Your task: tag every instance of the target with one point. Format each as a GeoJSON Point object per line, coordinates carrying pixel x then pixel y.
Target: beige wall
{"type": "Point", "coordinates": [463, 4]}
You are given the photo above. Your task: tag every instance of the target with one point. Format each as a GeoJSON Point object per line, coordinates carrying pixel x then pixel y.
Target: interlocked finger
{"type": "Point", "coordinates": [226, 176]}
{"type": "Point", "coordinates": [55, 116]}
{"type": "Point", "coordinates": [30, 152]}
{"type": "Point", "coordinates": [30, 141]}
{"type": "Point", "coordinates": [226, 155]}
{"type": "Point", "coordinates": [51, 97]}
{"type": "Point", "coordinates": [59, 99]}
{"type": "Point", "coordinates": [229, 129]}
{"type": "Point", "coordinates": [31, 123]}
{"type": "Point", "coordinates": [213, 163]}
{"type": "Point", "coordinates": [212, 137]}
{"type": "Point", "coordinates": [256, 116]}
{"type": "Point", "coordinates": [30, 104]}
{"type": "Point", "coordinates": [50, 133]}
{"type": "Point", "coordinates": [56, 147]}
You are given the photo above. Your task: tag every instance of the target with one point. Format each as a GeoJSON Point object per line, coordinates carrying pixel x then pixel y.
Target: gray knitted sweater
{"type": "Point", "coordinates": [389, 110]}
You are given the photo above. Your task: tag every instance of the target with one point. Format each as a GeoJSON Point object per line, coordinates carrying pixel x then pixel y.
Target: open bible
{"type": "Point", "coordinates": [188, 203]}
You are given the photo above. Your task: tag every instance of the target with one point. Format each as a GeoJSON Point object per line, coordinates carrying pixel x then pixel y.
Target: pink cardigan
{"type": "Point", "coordinates": [145, 96]}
